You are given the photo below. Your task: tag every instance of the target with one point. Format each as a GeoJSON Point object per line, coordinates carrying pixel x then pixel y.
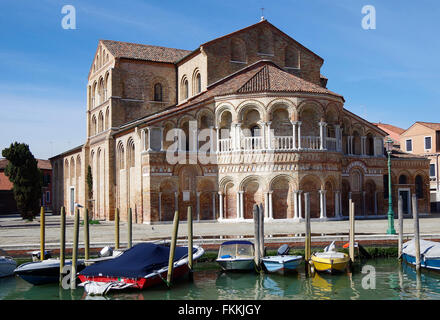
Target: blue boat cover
{"type": "Point", "coordinates": [237, 242]}
{"type": "Point", "coordinates": [136, 262]}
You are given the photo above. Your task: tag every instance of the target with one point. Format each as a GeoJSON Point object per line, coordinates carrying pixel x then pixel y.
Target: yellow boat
{"type": "Point", "coordinates": [329, 261]}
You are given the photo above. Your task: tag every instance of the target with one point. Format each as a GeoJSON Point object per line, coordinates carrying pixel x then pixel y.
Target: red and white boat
{"type": "Point", "coordinates": [142, 266]}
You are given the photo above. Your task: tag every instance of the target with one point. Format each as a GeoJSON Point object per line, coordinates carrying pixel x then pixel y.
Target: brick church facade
{"type": "Point", "coordinates": [245, 118]}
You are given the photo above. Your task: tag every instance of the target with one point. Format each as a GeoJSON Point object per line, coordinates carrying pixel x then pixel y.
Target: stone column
{"type": "Point", "coordinates": [238, 205]}
{"type": "Point", "coordinates": [241, 205]}
{"type": "Point", "coordinates": [198, 205]}
{"type": "Point", "coordinates": [220, 205]}
{"type": "Point", "coordinates": [295, 204]}
{"type": "Point", "coordinates": [266, 205]}
{"type": "Point", "coordinates": [322, 140]}
{"type": "Point", "coordinates": [375, 202]}
{"type": "Point", "coordinates": [270, 206]}
{"type": "Point", "coordinates": [300, 204]}
{"type": "Point", "coordinates": [213, 205]}
{"type": "Point", "coordinates": [338, 137]}
{"type": "Point", "coordinates": [364, 208]}
{"type": "Point", "coordinates": [299, 135]}
{"type": "Point", "coordinates": [144, 140]}
{"type": "Point", "coordinates": [294, 134]}
{"type": "Point", "coordinates": [363, 145]}
{"type": "Point", "coordinates": [269, 136]}
{"type": "Point", "coordinates": [323, 209]}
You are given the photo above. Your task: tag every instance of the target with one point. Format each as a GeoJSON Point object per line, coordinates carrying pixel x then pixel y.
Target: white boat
{"type": "Point", "coordinates": [236, 255]}
{"type": "Point", "coordinates": [7, 266]}
{"type": "Point", "coordinates": [282, 262]}
{"type": "Point", "coordinates": [429, 254]}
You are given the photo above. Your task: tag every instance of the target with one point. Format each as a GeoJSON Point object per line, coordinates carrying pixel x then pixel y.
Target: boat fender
{"type": "Point", "coordinates": [107, 251]}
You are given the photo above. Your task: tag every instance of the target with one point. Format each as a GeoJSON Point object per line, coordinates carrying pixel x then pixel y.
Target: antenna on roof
{"type": "Point", "coordinates": [262, 15]}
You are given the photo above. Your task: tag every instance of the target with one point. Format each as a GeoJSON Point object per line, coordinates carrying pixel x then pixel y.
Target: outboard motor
{"type": "Point", "coordinates": [106, 252]}
{"type": "Point", "coordinates": [36, 256]}
{"type": "Point", "coordinates": [283, 250]}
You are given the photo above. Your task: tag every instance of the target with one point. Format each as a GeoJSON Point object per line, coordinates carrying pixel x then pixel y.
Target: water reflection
{"type": "Point", "coordinates": [392, 281]}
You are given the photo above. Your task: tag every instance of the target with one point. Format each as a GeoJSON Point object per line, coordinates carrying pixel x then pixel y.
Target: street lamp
{"type": "Point", "coordinates": [391, 230]}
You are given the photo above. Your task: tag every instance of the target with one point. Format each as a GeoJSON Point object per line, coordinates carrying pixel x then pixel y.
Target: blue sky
{"type": "Point", "coordinates": [389, 74]}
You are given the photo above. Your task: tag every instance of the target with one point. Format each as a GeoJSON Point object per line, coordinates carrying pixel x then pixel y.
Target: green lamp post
{"type": "Point", "coordinates": [391, 230]}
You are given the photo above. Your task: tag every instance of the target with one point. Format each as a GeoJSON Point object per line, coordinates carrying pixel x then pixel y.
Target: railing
{"type": "Point", "coordinates": [278, 143]}
{"type": "Point", "coordinates": [310, 142]}
{"type": "Point", "coordinates": [224, 145]}
{"type": "Point", "coordinates": [331, 144]}
{"type": "Point", "coordinates": [282, 143]}
{"type": "Point", "coordinates": [252, 143]}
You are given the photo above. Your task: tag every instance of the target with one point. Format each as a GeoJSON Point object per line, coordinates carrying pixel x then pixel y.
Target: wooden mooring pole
{"type": "Point", "coordinates": [62, 241]}
{"type": "Point", "coordinates": [42, 233]}
{"type": "Point", "coordinates": [400, 214]}
{"type": "Point", "coordinates": [116, 228]}
{"type": "Point", "coordinates": [416, 231]}
{"type": "Point", "coordinates": [173, 248]}
{"type": "Point", "coordinates": [261, 230]}
{"type": "Point", "coordinates": [130, 228]}
{"type": "Point", "coordinates": [257, 252]}
{"type": "Point", "coordinates": [86, 234]}
{"type": "Point", "coordinates": [74, 250]}
{"type": "Point", "coordinates": [308, 235]}
{"type": "Point", "coordinates": [352, 231]}
{"type": "Point", "coordinates": [189, 221]}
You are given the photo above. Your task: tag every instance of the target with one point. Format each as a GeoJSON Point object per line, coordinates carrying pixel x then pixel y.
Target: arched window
{"type": "Point", "coordinates": [291, 58]}
{"type": "Point", "coordinates": [120, 156]}
{"type": "Point", "coordinates": [158, 92]}
{"type": "Point", "coordinates": [403, 179]}
{"type": "Point", "coordinates": [184, 88]}
{"type": "Point", "coordinates": [107, 118]}
{"type": "Point", "coordinates": [238, 50]}
{"type": "Point", "coordinates": [100, 122]}
{"type": "Point", "coordinates": [419, 187]}
{"type": "Point", "coordinates": [130, 153]}
{"type": "Point", "coordinates": [94, 126]}
{"type": "Point", "coordinates": [196, 82]}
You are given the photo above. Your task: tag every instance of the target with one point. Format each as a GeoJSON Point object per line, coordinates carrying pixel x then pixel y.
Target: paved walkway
{"type": "Point", "coordinates": [17, 234]}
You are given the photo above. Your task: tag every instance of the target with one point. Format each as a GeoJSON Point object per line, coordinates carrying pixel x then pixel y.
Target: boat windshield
{"type": "Point", "coordinates": [235, 250]}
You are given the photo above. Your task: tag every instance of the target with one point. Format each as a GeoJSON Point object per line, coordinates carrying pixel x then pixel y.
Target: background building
{"type": "Point", "coordinates": [7, 201]}
{"type": "Point", "coordinates": [276, 132]}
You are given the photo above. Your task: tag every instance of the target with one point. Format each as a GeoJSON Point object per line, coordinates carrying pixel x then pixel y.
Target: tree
{"type": "Point", "coordinates": [22, 170]}
{"type": "Point", "coordinates": [90, 188]}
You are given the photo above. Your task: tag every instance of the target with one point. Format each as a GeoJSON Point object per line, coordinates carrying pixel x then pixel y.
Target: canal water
{"type": "Point", "coordinates": [383, 279]}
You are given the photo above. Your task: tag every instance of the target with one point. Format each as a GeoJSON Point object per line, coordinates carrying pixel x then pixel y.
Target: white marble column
{"type": "Point", "coordinates": [266, 205]}
{"type": "Point", "coordinates": [241, 204]}
{"type": "Point", "coordinates": [363, 145]}
{"type": "Point", "coordinates": [299, 135]}
{"type": "Point", "coordinates": [270, 206]}
{"type": "Point", "coordinates": [323, 207]}
{"type": "Point", "coordinates": [322, 126]}
{"type": "Point", "coordinates": [294, 134]}
{"type": "Point", "coordinates": [300, 204]}
{"type": "Point", "coordinates": [220, 206]}
{"type": "Point", "coordinates": [269, 136]}
{"type": "Point", "coordinates": [238, 205]}
{"type": "Point", "coordinates": [295, 205]}
{"type": "Point", "coordinates": [144, 140]}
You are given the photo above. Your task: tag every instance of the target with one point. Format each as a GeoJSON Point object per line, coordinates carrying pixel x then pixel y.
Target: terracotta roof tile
{"type": "Point", "coordinates": [144, 52]}
{"type": "Point", "coordinates": [432, 125]}
{"type": "Point", "coordinates": [42, 164]}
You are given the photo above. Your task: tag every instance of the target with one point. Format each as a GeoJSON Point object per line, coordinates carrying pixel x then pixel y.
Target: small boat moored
{"type": "Point", "coordinates": [281, 262]}
{"type": "Point", "coordinates": [429, 254]}
{"type": "Point", "coordinates": [141, 266]}
{"type": "Point", "coordinates": [236, 255]}
{"type": "Point", "coordinates": [7, 266]}
{"type": "Point", "coordinates": [330, 260]}
{"type": "Point", "coordinates": [44, 272]}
